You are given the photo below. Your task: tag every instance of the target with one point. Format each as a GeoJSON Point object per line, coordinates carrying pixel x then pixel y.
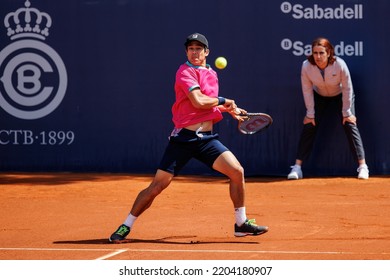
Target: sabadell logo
{"type": "Point", "coordinates": [298, 48]}
{"type": "Point", "coordinates": [33, 78]}
{"type": "Point", "coordinates": [298, 11]}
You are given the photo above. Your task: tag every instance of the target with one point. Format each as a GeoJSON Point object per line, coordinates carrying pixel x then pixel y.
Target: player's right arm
{"type": "Point", "coordinates": [202, 101]}
{"type": "Point", "coordinates": [199, 100]}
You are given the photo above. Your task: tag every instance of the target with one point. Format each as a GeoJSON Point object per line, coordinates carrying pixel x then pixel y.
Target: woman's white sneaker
{"type": "Point", "coordinates": [363, 172]}
{"type": "Point", "coordinates": [296, 173]}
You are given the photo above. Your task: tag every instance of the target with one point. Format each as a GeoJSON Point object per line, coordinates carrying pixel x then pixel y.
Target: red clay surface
{"type": "Point", "coordinates": [67, 216]}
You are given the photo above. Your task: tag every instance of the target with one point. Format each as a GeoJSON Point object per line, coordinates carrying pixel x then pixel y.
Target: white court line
{"type": "Point", "coordinates": [119, 251]}
{"type": "Point", "coordinates": [260, 252]}
{"type": "Point", "coordinates": [116, 252]}
{"type": "Point", "coordinates": [52, 249]}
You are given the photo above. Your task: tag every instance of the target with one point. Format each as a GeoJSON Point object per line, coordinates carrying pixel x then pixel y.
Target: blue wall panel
{"type": "Point", "coordinates": [120, 59]}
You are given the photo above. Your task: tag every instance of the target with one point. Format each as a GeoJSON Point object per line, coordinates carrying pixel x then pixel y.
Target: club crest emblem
{"type": "Point", "coordinates": [33, 77]}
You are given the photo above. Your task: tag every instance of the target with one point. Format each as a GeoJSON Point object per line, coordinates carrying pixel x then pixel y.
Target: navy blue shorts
{"type": "Point", "coordinates": [186, 145]}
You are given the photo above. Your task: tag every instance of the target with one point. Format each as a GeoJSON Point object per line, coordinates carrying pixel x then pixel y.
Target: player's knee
{"type": "Point", "coordinates": [237, 173]}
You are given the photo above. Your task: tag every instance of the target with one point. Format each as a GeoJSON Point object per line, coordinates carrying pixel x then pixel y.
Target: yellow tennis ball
{"type": "Point", "coordinates": [220, 62]}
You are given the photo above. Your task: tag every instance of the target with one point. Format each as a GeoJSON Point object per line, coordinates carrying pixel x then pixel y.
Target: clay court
{"type": "Point", "coordinates": [69, 216]}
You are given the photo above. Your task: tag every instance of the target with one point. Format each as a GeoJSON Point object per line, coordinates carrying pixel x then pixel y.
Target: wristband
{"type": "Point", "coordinates": [221, 100]}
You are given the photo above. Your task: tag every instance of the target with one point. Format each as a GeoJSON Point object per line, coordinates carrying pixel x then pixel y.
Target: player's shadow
{"type": "Point", "coordinates": [190, 240]}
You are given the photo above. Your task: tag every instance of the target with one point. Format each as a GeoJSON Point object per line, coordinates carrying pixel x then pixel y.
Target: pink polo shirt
{"type": "Point", "coordinates": [189, 77]}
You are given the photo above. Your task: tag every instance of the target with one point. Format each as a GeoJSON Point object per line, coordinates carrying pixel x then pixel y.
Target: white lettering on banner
{"type": "Point", "coordinates": [298, 48]}
{"type": "Point", "coordinates": [316, 12]}
{"type": "Point", "coordinates": [28, 137]}
{"type": "Point", "coordinates": [33, 77]}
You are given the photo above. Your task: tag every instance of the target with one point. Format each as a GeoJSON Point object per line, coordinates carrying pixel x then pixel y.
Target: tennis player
{"type": "Point", "coordinates": [196, 109]}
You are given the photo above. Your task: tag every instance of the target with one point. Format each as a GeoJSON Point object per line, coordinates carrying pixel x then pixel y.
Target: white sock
{"type": "Point", "coordinates": [130, 220]}
{"type": "Point", "coordinates": [240, 215]}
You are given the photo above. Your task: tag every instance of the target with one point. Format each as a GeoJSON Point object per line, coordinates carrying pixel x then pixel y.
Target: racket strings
{"type": "Point", "coordinates": [254, 123]}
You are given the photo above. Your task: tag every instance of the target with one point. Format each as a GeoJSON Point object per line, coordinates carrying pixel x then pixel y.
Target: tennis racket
{"type": "Point", "coordinates": [254, 122]}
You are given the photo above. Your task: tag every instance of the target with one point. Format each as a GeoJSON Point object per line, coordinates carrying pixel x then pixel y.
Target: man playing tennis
{"type": "Point", "coordinates": [196, 109]}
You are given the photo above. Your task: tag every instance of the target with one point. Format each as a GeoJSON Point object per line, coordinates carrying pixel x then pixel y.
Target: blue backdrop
{"type": "Point", "coordinates": [94, 92]}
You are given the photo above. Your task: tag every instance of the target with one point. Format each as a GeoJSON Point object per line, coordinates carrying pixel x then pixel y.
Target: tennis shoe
{"type": "Point", "coordinates": [249, 228]}
{"type": "Point", "coordinates": [363, 172]}
{"type": "Point", "coordinates": [296, 173]}
{"type": "Point", "coordinates": [120, 234]}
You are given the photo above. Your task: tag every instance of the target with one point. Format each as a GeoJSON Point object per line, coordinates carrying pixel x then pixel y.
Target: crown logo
{"type": "Point", "coordinates": [27, 22]}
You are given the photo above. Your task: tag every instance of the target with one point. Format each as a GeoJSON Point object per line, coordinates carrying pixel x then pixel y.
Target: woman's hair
{"type": "Point", "coordinates": [323, 42]}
